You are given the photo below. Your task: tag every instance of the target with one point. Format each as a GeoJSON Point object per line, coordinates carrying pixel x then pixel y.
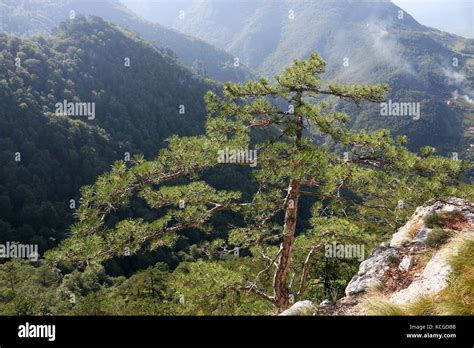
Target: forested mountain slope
{"type": "Point", "coordinates": [46, 155]}
{"type": "Point", "coordinates": [33, 17]}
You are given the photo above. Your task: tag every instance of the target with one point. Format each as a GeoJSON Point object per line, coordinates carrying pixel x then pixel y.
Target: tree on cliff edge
{"type": "Point", "coordinates": [355, 182]}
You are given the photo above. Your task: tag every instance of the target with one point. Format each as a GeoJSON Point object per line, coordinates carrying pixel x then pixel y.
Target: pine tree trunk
{"type": "Point", "coordinates": [281, 292]}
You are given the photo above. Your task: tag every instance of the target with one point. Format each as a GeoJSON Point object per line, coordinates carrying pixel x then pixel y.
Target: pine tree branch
{"type": "Point", "coordinates": [258, 292]}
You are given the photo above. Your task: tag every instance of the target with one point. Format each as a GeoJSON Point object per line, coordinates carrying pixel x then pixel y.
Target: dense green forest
{"type": "Point", "coordinates": [32, 18]}
{"type": "Point", "coordinates": [137, 108]}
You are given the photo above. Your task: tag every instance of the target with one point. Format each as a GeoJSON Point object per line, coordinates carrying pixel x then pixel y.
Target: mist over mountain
{"type": "Point", "coordinates": [362, 41]}
{"type": "Point", "coordinates": [373, 41]}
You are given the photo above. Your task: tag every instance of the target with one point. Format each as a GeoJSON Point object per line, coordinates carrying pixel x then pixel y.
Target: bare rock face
{"type": "Point", "coordinates": [372, 270]}
{"type": "Point", "coordinates": [435, 276]}
{"type": "Point", "coordinates": [300, 308]}
{"type": "Point", "coordinates": [398, 269]}
{"type": "Point", "coordinates": [405, 234]}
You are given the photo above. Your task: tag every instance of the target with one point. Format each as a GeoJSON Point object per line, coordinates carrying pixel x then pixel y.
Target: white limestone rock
{"type": "Point", "coordinates": [300, 308]}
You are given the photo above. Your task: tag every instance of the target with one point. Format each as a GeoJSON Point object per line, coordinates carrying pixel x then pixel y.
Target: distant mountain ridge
{"type": "Point", "coordinates": [31, 17]}
{"type": "Point", "coordinates": [362, 42]}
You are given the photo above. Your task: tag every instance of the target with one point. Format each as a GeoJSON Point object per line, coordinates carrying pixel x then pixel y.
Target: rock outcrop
{"type": "Point", "coordinates": [415, 262]}
{"type": "Point", "coordinates": [300, 308]}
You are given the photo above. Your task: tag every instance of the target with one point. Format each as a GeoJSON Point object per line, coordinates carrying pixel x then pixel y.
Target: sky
{"type": "Point", "coordinates": [453, 16]}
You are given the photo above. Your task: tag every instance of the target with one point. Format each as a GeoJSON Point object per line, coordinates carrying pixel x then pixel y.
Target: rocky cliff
{"type": "Point", "coordinates": [415, 267]}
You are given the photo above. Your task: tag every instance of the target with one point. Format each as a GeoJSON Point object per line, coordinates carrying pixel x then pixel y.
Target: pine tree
{"type": "Point", "coordinates": [358, 183]}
